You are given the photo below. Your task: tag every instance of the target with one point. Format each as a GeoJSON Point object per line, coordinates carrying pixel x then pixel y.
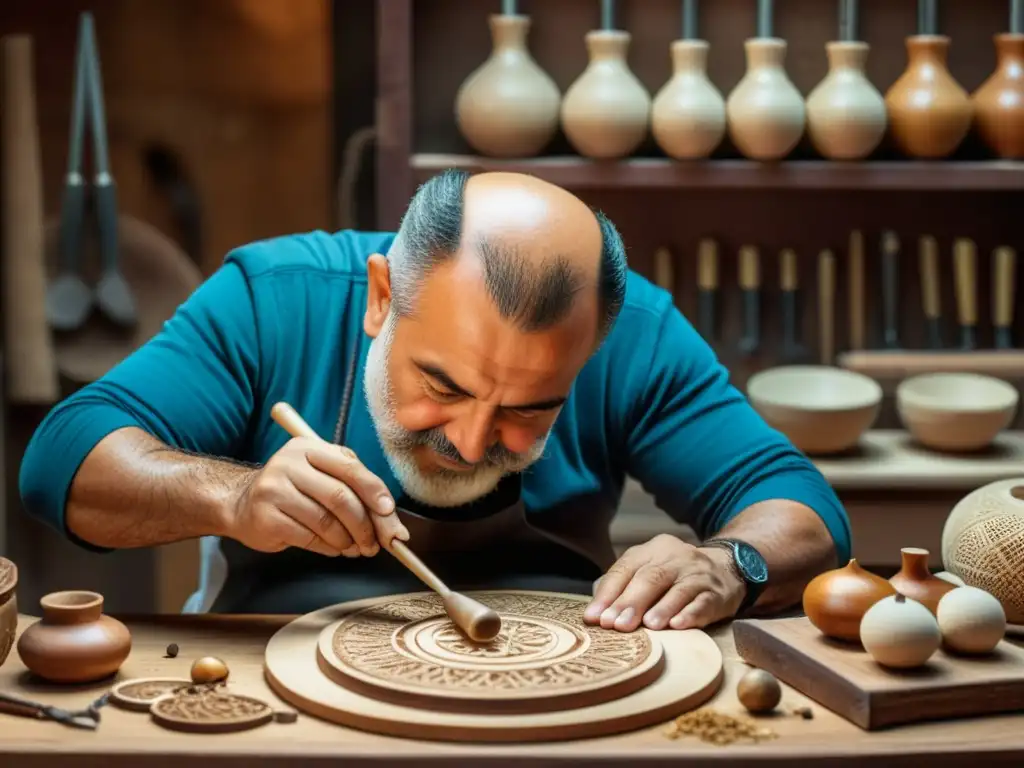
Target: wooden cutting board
{"type": "Point", "coordinates": [846, 680]}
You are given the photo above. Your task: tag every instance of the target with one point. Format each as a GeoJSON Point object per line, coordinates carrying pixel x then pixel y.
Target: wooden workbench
{"type": "Point", "coordinates": [128, 739]}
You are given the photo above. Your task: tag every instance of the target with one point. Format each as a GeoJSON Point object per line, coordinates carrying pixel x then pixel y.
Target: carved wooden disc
{"type": "Point", "coordinates": [545, 658]}
{"type": "Point", "coordinates": [209, 710]}
{"type": "Point", "coordinates": [687, 670]}
{"type": "Point", "coordinates": [140, 693]}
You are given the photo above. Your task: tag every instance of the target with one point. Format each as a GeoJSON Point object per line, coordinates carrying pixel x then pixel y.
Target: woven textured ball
{"type": "Point", "coordinates": [983, 543]}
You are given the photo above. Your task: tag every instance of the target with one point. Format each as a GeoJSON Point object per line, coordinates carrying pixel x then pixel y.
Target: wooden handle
{"type": "Point", "coordinates": [750, 270]}
{"type": "Point", "coordinates": [965, 256]}
{"type": "Point", "coordinates": [788, 277]}
{"type": "Point", "coordinates": [899, 365]}
{"type": "Point", "coordinates": [292, 423]}
{"type": "Point", "coordinates": [28, 356]}
{"type": "Point", "coordinates": [1003, 282]}
{"type": "Point", "coordinates": [707, 265]}
{"type": "Point", "coordinates": [663, 273]}
{"type": "Point", "coordinates": [858, 331]}
{"type": "Point", "coordinates": [929, 253]}
{"type": "Point", "coordinates": [826, 305]}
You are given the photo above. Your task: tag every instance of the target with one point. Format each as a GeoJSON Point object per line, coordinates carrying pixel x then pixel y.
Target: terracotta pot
{"type": "Point", "coordinates": [916, 581]}
{"type": "Point", "coordinates": [688, 114]}
{"type": "Point", "coordinates": [836, 601]}
{"type": "Point", "coordinates": [846, 115]}
{"type": "Point", "coordinates": [929, 112]}
{"type": "Point", "coordinates": [508, 106]}
{"type": "Point", "coordinates": [74, 642]}
{"type": "Point", "coordinates": [999, 102]}
{"type": "Point", "coordinates": [8, 607]}
{"type": "Point", "coordinates": [606, 111]}
{"type": "Point", "coordinates": [765, 111]}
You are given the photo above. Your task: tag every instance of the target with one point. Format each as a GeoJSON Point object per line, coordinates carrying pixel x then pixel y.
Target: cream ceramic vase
{"type": "Point", "coordinates": [688, 114]}
{"type": "Point", "coordinates": [765, 111]}
{"type": "Point", "coordinates": [606, 112]}
{"type": "Point", "coordinates": [508, 106]}
{"type": "Point", "coordinates": [846, 114]}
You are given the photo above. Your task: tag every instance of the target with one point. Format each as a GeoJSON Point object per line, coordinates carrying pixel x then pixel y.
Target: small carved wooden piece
{"type": "Point", "coordinates": [209, 710]}
{"type": "Point", "coordinates": [8, 607]}
{"type": "Point", "coordinates": [139, 694]}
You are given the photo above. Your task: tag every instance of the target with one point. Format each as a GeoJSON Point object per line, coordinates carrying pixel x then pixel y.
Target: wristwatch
{"type": "Point", "coordinates": [750, 566]}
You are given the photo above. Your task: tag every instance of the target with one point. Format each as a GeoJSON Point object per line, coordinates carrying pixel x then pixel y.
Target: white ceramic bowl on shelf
{"type": "Point", "coordinates": [956, 411]}
{"type": "Point", "coordinates": [820, 408]}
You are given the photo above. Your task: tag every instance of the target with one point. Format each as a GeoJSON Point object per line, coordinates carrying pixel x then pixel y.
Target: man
{"type": "Point", "coordinates": [493, 372]}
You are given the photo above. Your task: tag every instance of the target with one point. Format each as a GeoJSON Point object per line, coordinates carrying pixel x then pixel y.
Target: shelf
{"type": "Point", "coordinates": [890, 460]}
{"type": "Point", "coordinates": [659, 173]}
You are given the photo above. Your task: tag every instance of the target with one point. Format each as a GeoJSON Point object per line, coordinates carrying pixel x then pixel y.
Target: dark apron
{"type": "Point", "coordinates": [493, 544]}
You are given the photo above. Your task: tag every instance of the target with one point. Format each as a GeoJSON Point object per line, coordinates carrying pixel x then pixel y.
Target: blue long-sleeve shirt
{"type": "Point", "coordinates": [282, 320]}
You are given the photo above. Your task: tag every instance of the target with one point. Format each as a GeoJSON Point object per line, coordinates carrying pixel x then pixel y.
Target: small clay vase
{"type": "Point", "coordinates": [836, 601]}
{"type": "Point", "coordinates": [846, 115]}
{"type": "Point", "coordinates": [688, 114]}
{"type": "Point", "coordinates": [74, 642]}
{"type": "Point", "coordinates": [508, 106]}
{"type": "Point", "coordinates": [999, 102]}
{"type": "Point", "coordinates": [916, 581]}
{"type": "Point", "coordinates": [8, 607]}
{"type": "Point", "coordinates": [606, 111]}
{"type": "Point", "coordinates": [929, 112]}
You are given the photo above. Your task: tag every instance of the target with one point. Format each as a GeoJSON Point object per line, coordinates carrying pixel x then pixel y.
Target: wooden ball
{"type": "Point", "coordinates": [209, 669]}
{"type": "Point", "coordinates": [759, 691]}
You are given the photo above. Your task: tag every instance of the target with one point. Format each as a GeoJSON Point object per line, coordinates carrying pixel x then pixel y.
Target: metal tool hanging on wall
{"type": "Point", "coordinates": [69, 299]}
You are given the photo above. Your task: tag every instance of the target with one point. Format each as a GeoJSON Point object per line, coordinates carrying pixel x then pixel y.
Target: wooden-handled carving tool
{"type": "Point", "coordinates": [929, 254]}
{"type": "Point", "coordinates": [707, 287]}
{"type": "Point", "coordinates": [856, 288]}
{"type": "Point", "coordinates": [664, 274]}
{"type": "Point", "coordinates": [826, 306]}
{"type": "Point", "coordinates": [1003, 282]}
{"type": "Point", "coordinates": [29, 363]}
{"type": "Point", "coordinates": [750, 286]}
{"type": "Point", "coordinates": [890, 290]}
{"type": "Point", "coordinates": [475, 619]}
{"type": "Point", "coordinates": [789, 285]}
{"type": "Point", "coordinates": [964, 256]}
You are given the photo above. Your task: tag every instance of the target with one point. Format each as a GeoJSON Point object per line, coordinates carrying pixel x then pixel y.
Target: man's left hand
{"type": "Point", "coordinates": [666, 583]}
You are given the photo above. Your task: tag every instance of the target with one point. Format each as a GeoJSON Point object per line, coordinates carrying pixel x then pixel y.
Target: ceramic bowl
{"type": "Point", "coordinates": [8, 607]}
{"type": "Point", "coordinates": [820, 408]}
{"type": "Point", "coordinates": [956, 411]}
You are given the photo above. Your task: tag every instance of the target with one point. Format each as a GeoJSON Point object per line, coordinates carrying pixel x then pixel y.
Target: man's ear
{"type": "Point", "coordinates": [378, 294]}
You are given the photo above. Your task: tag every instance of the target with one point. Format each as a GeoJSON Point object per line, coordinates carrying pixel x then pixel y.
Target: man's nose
{"type": "Point", "coordinates": [474, 433]}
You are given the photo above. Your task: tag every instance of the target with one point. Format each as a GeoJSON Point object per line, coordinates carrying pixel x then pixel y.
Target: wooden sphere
{"type": "Point", "coordinates": [759, 691]}
{"type": "Point", "coordinates": [209, 669]}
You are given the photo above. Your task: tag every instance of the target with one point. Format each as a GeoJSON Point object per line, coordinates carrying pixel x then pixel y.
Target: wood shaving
{"type": "Point", "coordinates": [717, 728]}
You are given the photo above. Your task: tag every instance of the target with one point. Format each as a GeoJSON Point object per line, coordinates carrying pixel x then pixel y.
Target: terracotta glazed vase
{"type": "Point", "coordinates": [916, 581]}
{"type": "Point", "coordinates": [508, 106]}
{"type": "Point", "coordinates": [606, 112]}
{"type": "Point", "coordinates": [999, 102]}
{"type": "Point", "coordinates": [766, 113]}
{"type": "Point", "coordinates": [929, 112]}
{"type": "Point", "coordinates": [74, 642]}
{"type": "Point", "coordinates": [836, 601]}
{"type": "Point", "coordinates": [688, 114]}
{"type": "Point", "coordinates": [8, 607]}
{"type": "Point", "coordinates": [846, 115]}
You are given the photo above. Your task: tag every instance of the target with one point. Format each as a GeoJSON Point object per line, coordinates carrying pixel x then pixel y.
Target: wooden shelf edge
{"type": "Point", "coordinates": [890, 460]}
{"type": "Point", "coordinates": [654, 173]}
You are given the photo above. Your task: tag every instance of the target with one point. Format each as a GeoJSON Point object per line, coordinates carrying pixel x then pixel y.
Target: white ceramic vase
{"type": "Point", "coordinates": [688, 114]}
{"type": "Point", "coordinates": [846, 115]}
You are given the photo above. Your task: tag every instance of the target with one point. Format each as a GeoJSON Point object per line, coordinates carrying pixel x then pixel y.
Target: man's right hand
{"type": "Point", "coordinates": [317, 496]}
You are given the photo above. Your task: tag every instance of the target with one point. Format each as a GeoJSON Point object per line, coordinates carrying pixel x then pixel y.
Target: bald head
{"type": "Point", "coordinates": [541, 250]}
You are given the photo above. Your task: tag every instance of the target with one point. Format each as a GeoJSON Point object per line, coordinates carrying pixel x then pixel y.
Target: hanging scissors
{"type": "Point", "coordinates": [88, 718]}
{"type": "Point", "coordinates": [69, 299]}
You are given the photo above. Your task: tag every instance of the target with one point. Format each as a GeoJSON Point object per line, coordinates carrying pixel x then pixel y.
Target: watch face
{"type": "Point", "coordinates": [751, 563]}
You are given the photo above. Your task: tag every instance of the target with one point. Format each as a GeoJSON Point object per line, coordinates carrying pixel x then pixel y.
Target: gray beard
{"type": "Point", "coordinates": [439, 487]}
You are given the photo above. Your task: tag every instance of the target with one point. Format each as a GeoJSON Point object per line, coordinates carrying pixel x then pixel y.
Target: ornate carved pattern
{"type": "Point", "coordinates": [209, 709]}
{"type": "Point", "coordinates": [148, 690]}
{"type": "Point", "coordinates": [544, 646]}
